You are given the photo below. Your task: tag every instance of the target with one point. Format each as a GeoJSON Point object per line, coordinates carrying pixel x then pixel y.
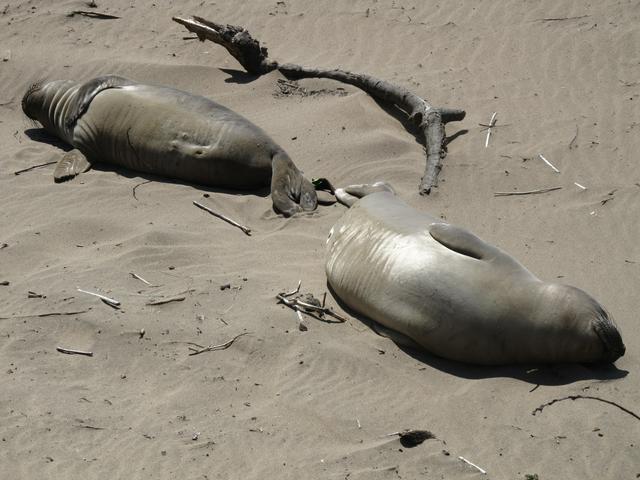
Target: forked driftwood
{"type": "Point", "coordinates": [428, 119]}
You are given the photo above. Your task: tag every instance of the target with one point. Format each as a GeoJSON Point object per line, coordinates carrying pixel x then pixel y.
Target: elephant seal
{"type": "Point", "coordinates": [166, 132]}
{"type": "Point", "coordinates": [444, 290]}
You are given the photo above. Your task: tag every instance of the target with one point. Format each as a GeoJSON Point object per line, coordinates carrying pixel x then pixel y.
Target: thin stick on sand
{"type": "Point", "coordinates": [482, 471]}
{"type": "Point", "coordinates": [48, 314]}
{"type": "Point", "coordinates": [107, 300]}
{"type": "Point", "coordinates": [138, 277]}
{"type": "Point", "coordinates": [548, 163]}
{"type": "Point", "coordinates": [211, 348]}
{"type": "Point", "coordinates": [70, 351]}
{"type": "Point", "coordinates": [18, 172]}
{"type": "Point", "coordinates": [582, 187]}
{"type": "Point", "coordinates": [492, 124]}
{"type": "Point", "coordinates": [98, 15]}
{"type": "Point", "coordinates": [246, 230]}
{"type": "Point", "coordinates": [528, 192]}
{"type": "Point", "coordinates": [584, 397]}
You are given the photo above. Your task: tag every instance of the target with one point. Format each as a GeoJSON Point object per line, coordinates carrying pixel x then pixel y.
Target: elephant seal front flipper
{"type": "Point", "coordinates": [88, 91]}
{"type": "Point", "coordinates": [71, 164]}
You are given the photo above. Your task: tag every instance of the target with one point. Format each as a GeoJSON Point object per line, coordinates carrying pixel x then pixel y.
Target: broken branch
{"type": "Point", "coordinates": [429, 120]}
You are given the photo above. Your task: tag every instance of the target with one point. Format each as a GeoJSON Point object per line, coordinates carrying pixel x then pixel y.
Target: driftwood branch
{"type": "Point", "coordinates": [254, 58]}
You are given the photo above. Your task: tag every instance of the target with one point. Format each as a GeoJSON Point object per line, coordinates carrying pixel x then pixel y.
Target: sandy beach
{"type": "Point", "coordinates": [279, 402]}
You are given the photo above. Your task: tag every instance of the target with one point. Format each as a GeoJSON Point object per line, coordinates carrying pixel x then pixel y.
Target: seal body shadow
{"type": "Point", "coordinates": [165, 132]}
{"type": "Point", "coordinates": [455, 295]}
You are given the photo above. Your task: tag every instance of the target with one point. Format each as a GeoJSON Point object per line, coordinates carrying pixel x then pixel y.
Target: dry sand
{"type": "Point", "coordinates": [280, 403]}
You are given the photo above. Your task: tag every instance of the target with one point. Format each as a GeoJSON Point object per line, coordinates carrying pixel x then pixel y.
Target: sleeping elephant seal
{"type": "Point", "coordinates": [165, 132]}
{"type": "Point", "coordinates": [453, 294]}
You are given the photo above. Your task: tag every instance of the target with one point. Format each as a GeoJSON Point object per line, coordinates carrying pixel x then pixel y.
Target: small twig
{"type": "Point", "coordinates": [107, 300]}
{"type": "Point", "coordinates": [301, 325]}
{"type": "Point", "coordinates": [548, 163]}
{"type": "Point", "coordinates": [162, 301]}
{"type": "Point", "coordinates": [138, 277]}
{"type": "Point", "coordinates": [222, 346]}
{"type": "Point", "coordinates": [133, 190]}
{"type": "Point", "coordinates": [50, 314]}
{"type": "Point", "coordinates": [246, 230]}
{"type": "Point", "coordinates": [70, 351]}
{"type": "Point", "coordinates": [293, 292]}
{"type": "Point", "coordinates": [572, 143]}
{"type": "Point", "coordinates": [482, 471]}
{"type": "Point", "coordinates": [296, 303]}
{"type": "Point", "coordinates": [18, 172]}
{"type": "Point", "coordinates": [90, 427]}
{"type": "Point", "coordinates": [579, 186]}
{"type": "Point", "coordinates": [528, 192]}
{"type": "Point", "coordinates": [492, 124]}
{"type": "Point", "coordinates": [585, 397]}
{"type": "Point", "coordinates": [358, 423]}
{"type": "Point", "coordinates": [101, 16]}
{"type": "Point", "coordinates": [559, 19]}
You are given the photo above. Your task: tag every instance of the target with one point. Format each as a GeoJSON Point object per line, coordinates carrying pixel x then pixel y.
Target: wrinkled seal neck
{"type": "Point", "coordinates": [52, 104]}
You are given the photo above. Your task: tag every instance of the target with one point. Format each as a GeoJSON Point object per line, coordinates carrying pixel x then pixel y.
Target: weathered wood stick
{"type": "Point", "coordinates": [254, 58]}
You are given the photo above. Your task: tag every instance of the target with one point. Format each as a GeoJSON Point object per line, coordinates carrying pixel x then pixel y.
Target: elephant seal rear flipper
{"type": "Point", "coordinates": [290, 190]}
{"type": "Point", "coordinates": [71, 164]}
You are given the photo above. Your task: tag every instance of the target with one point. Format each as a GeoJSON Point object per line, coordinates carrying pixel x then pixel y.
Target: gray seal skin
{"type": "Point", "coordinates": [166, 132]}
{"type": "Point", "coordinates": [441, 288]}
